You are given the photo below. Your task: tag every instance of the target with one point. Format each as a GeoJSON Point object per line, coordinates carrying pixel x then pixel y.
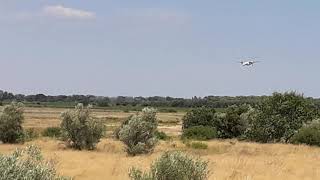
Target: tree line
{"type": "Point", "coordinates": [154, 101]}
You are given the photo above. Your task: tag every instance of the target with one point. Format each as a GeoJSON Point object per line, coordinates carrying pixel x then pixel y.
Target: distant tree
{"type": "Point", "coordinates": [40, 98]}
{"type": "Point", "coordinates": [19, 97]}
{"type": "Point", "coordinates": [6, 96]}
{"type": "Point", "coordinates": [102, 101]}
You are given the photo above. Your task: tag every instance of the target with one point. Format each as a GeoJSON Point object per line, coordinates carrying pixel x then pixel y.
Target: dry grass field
{"type": "Point", "coordinates": [41, 118]}
{"type": "Point", "coordinates": [229, 160]}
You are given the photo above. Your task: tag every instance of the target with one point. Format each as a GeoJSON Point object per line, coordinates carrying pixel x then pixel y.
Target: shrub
{"type": "Point", "coordinates": [27, 164]}
{"type": "Point", "coordinates": [161, 135]}
{"type": "Point", "coordinates": [309, 134]}
{"type": "Point", "coordinates": [11, 120]}
{"type": "Point", "coordinates": [30, 134]}
{"type": "Point", "coordinates": [139, 133]}
{"type": "Point", "coordinates": [197, 145]}
{"type": "Point", "coordinates": [199, 133]}
{"type": "Point", "coordinates": [230, 124]}
{"type": "Point", "coordinates": [173, 166]}
{"type": "Point", "coordinates": [199, 117]}
{"type": "Point", "coordinates": [53, 132]}
{"type": "Point", "coordinates": [280, 116]}
{"type": "Point", "coordinates": [117, 130]}
{"type": "Point", "coordinates": [80, 129]}
{"type": "Point", "coordinates": [116, 133]}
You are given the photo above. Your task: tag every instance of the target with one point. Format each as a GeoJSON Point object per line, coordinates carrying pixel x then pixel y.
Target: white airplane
{"type": "Point", "coordinates": [248, 62]}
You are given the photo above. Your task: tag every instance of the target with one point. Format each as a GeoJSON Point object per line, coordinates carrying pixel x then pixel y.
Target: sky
{"type": "Point", "coordinates": [167, 48]}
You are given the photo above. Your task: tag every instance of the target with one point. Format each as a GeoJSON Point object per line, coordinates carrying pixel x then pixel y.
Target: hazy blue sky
{"type": "Point", "coordinates": [168, 47]}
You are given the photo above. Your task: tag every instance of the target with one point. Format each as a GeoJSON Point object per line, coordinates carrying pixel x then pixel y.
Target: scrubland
{"type": "Point", "coordinates": [228, 159]}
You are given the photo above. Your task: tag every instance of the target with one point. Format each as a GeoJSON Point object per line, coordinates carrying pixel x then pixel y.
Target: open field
{"type": "Point", "coordinates": [41, 118]}
{"type": "Point", "coordinates": [229, 159]}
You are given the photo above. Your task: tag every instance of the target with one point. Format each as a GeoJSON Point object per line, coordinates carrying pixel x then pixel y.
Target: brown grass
{"type": "Point", "coordinates": [228, 160]}
{"type": "Point", "coordinates": [41, 118]}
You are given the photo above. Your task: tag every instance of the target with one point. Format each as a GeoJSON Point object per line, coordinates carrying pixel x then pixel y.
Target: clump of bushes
{"type": "Point", "coordinates": [279, 116]}
{"type": "Point", "coordinates": [308, 134]}
{"type": "Point", "coordinates": [53, 132]}
{"type": "Point", "coordinates": [199, 133]}
{"type": "Point", "coordinates": [205, 123]}
{"type": "Point", "coordinates": [161, 135]}
{"type": "Point", "coordinates": [11, 120]}
{"type": "Point", "coordinates": [275, 119]}
{"type": "Point", "coordinates": [199, 117]}
{"type": "Point", "coordinates": [80, 129]}
{"type": "Point", "coordinates": [173, 166]}
{"type": "Point", "coordinates": [27, 164]}
{"type": "Point", "coordinates": [230, 124]}
{"type": "Point", "coordinates": [138, 134]}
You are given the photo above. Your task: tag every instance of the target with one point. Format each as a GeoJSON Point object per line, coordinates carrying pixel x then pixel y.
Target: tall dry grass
{"type": "Point", "coordinates": [230, 160]}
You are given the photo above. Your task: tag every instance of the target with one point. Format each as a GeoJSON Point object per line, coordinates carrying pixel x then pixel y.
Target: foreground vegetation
{"type": "Point", "coordinates": [173, 166]}
{"type": "Point", "coordinates": [227, 160]}
{"type": "Point", "coordinates": [27, 164]}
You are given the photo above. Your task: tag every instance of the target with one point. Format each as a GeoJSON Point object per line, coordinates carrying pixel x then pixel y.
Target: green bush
{"type": "Point", "coordinates": [27, 164]}
{"type": "Point", "coordinates": [11, 120]}
{"type": "Point", "coordinates": [53, 132]}
{"type": "Point", "coordinates": [161, 135]}
{"type": "Point", "coordinates": [139, 133]}
{"type": "Point", "coordinates": [117, 130]}
{"type": "Point", "coordinates": [80, 129]}
{"type": "Point", "coordinates": [30, 134]}
{"type": "Point", "coordinates": [199, 133]}
{"type": "Point", "coordinates": [230, 124]}
{"type": "Point", "coordinates": [309, 134]}
{"type": "Point", "coordinates": [199, 117]}
{"type": "Point", "coordinates": [173, 166]}
{"type": "Point", "coordinates": [280, 116]}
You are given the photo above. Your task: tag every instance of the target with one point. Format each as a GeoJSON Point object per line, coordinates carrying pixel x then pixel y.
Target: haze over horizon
{"type": "Point", "coordinates": [144, 48]}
